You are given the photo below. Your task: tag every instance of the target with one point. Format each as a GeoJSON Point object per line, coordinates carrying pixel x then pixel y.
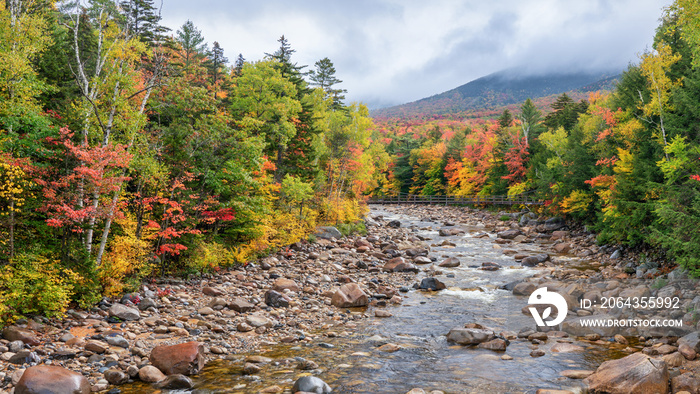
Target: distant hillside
{"type": "Point", "coordinates": [497, 90]}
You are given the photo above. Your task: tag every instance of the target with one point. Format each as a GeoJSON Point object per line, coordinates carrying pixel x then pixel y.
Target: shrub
{"type": "Point", "coordinates": [33, 284]}
{"type": "Point", "coordinates": [126, 262]}
{"type": "Point", "coordinates": [352, 228]}
{"type": "Point", "coordinates": [210, 256]}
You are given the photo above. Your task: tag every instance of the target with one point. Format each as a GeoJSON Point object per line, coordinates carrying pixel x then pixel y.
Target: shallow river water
{"type": "Point", "coordinates": [426, 360]}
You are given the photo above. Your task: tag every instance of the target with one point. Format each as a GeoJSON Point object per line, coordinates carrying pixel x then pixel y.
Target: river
{"type": "Point", "coordinates": [352, 363]}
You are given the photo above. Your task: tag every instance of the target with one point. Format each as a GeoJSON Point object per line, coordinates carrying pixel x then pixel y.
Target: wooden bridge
{"type": "Point", "coordinates": [520, 199]}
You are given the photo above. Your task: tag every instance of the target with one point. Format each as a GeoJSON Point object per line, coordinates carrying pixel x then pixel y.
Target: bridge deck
{"type": "Point", "coordinates": [454, 200]}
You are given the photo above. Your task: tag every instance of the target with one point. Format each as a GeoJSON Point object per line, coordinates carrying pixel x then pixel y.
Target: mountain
{"type": "Point", "coordinates": [500, 89]}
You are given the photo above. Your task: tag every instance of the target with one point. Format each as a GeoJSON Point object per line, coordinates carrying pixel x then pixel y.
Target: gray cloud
{"type": "Point", "coordinates": [394, 51]}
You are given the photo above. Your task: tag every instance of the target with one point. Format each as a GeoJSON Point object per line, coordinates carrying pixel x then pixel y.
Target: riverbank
{"type": "Point", "coordinates": [284, 301]}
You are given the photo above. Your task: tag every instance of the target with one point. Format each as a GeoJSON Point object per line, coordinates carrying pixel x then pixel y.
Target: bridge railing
{"type": "Point", "coordinates": [519, 199]}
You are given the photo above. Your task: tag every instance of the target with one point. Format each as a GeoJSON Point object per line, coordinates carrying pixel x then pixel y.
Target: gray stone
{"type": "Point", "coordinates": [24, 357]}
{"type": "Point", "coordinates": [276, 299]}
{"type": "Point", "coordinates": [15, 346]}
{"type": "Point", "coordinates": [691, 340]}
{"type": "Point", "coordinates": [124, 312]}
{"type": "Point", "coordinates": [118, 341]}
{"type": "Point", "coordinates": [311, 384]}
{"type": "Point", "coordinates": [328, 232]}
{"type": "Point", "coordinates": [394, 224]}
{"type": "Point", "coordinates": [470, 336]}
{"type": "Point", "coordinates": [509, 234]}
{"type": "Point", "coordinates": [147, 303]}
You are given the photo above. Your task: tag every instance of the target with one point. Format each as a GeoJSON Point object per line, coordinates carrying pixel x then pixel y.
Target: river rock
{"type": "Point", "coordinates": [124, 312]}
{"type": "Point", "coordinates": [564, 347]}
{"type": "Point", "coordinates": [311, 384]}
{"type": "Point", "coordinates": [175, 382]}
{"type": "Point", "coordinates": [213, 292]}
{"type": "Point", "coordinates": [524, 288]}
{"type": "Point", "coordinates": [563, 247]}
{"type": "Point", "coordinates": [400, 266]}
{"type": "Point", "coordinates": [553, 224]}
{"type": "Point", "coordinates": [469, 336]}
{"type": "Point", "coordinates": [687, 352]}
{"type": "Point", "coordinates": [282, 284]}
{"type": "Point", "coordinates": [573, 326]}
{"type": "Point", "coordinates": [24, 357]}
{"type": "Point", "coordinates": [686, 382]}
{"type": "Point", "coordinates": [14, 333]}
{"type": "Point", "coordinates": [636, 373]}
{"type": "Point", "coordinates": [116, 377]}
{"type": "Point", "coordinates": [118, 340]}
{"type": "Point", "coordinates": [451, 262]}
{"type": "Point", "coordinates": [258, 321]}
{"type": "Point", "coordinates": [674, 359]}
{"type": "Point", "coordinates": [422, 260]}
{"type": "Point", "coordinates": [43, 379]}
{"type": "Point", "coordinates": [349, 295]}
{"type": "Point", "coordinates": [186, 358]}
{"type": "Point", "coordinates": [446, 232]}
{"type": "Point", "coordinates": [431, 284]}
{"type": "Point", "coordinates": [509, 234]}
{"type": "Point", "coordinates": [240, 305]}
{"type": "Point", "coordinates": [576, 373]}
{"type": "Point", "coordinates": [276, 299]}
{"type": "Point", "coordinates": [328, 232]}
{"type": "Point", "coordinates": [151, 374]}
{"type": "Point", "coordinates": [691, 340]}
{"type": "Point", "coordinates": [497, 344]}
{"type": "Point", "coordinates": [146, 303]}
{"type": "Point", "coordinates": [394, 224]}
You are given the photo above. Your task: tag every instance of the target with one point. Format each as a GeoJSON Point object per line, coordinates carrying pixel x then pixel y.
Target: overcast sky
{"type": "Point", "coordinates": [391, 52]}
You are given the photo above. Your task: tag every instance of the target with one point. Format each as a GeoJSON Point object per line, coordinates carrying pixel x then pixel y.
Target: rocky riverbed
{"type": "Point", "coordinates": [433, 297]}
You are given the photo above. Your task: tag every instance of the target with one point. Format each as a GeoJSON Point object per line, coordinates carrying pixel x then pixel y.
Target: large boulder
{"type": "Point", "coordinates": [43, 379]}
{"type": "Point", "coordinates": [328, 232]}
{"type": "Point", "coordinates": [185, 358]}
{"type": "Point", "coordinates": [634, 374]}
{"type": "Point", "coordinates": [349, 295]}
{"type": "Point", "coordinates": [124, 312]}
{"type": "Point", "coordinates": [470, 336]}
{"type": "Point", "coordinates": [14, 333]}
